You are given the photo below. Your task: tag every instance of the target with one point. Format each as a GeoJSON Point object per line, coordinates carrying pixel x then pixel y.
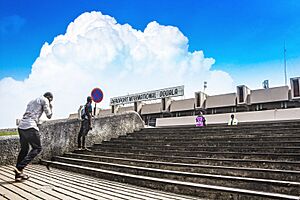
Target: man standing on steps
{"type": "Point", "coordinates": [29, 132]}
{"type": "Point", "coordinates": [86, 123]}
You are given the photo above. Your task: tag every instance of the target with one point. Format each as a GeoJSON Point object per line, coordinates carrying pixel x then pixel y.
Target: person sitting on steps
{"type": "Point", "coordinates": [232, 121]}
{"type": "Point", "coordinates": [200, 120]}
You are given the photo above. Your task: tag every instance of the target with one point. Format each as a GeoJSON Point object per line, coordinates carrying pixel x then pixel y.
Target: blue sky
{"type": "Point", "coordinates": [238, 34]}
{"type": "Point", "coordinates": [70, 47]}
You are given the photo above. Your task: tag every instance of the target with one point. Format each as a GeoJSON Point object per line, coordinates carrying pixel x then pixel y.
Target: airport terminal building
{"type": "Point", "coordinates": [243, 101]}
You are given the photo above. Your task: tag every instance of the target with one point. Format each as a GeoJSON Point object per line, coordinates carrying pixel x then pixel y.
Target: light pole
{"type": "Point", "coordinates": [204, 86]}
{"type": "Point", "coordinates": [284, 55]}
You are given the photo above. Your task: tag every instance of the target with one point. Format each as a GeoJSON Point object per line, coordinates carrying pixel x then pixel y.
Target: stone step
{"type": "Point", "coordinates": [276, 174]}
{"type": "Point", "coordinates": [58, 184]}
{"type": "Point", "coordinates": [226, 126]}
{"type": "Point", "coordinates": [200, 138]}
{"type": "Point", "coordinates": [202, 144]}
{"type": "Point", "coordinates": [219, 133]}
{"type": "Point", "coordinates": [215, 135]}
{"type": "Point", "coordinates": [230, 162]}
{"type": "Point", "coordinates": [212, 154]}
{"type": "Point", "coordinates": [182, 187]}
{"type": "Point", "coordinates": [214, 130]}
{"type": "Point", "coordinates": [168, 148]}
{"type": "Point", "coordinates": [214, 162]}
{"type": "Point", "coordinates": [265, 185]}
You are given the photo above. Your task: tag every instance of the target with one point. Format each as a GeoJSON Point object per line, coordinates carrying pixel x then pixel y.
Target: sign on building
{"type": "Point", "coordinates": [151, 95]}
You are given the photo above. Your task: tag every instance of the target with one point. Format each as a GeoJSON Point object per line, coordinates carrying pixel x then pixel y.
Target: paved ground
{"type": "Point", "coordinates": [60, 184]}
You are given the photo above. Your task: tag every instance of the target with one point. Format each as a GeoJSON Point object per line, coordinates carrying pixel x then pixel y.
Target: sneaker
{"type": "Point", "coordinates": [19, 176]}
{"type": "Point", "coordinates": [86, 149]}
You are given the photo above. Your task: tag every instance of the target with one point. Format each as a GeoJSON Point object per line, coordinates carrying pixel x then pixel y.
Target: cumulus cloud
{"type": "Point", "coordinates": [96, 51]}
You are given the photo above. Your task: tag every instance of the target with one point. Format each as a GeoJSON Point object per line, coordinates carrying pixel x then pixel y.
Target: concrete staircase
{"type": "Point", "coordinates": [248, 161]}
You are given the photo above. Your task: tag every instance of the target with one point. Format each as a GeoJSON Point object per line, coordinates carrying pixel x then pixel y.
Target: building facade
{"type": "Point", "coordinates": [243, 100]}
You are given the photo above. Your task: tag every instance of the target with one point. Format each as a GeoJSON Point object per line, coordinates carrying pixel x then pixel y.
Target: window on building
{"type": "Point", "coordinates": [296, 88]}
{"type": "Point", "coordinates": [197, 99]}
{"type": "Point", "coordinates": [241, 94]}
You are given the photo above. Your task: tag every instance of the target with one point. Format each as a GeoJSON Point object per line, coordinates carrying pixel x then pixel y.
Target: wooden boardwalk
{"type": "Point", "coordinates": [60, 184]}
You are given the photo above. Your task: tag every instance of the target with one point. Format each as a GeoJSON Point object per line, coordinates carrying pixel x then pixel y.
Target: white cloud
{"type": "Point", "coordinates": [96, 51]}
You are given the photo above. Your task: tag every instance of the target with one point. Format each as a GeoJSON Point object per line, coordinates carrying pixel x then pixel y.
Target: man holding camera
{"type": "Point", "coordinates": [29, 132]}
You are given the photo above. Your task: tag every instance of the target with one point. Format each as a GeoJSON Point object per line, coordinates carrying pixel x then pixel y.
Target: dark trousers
{"type": "Point", "coordinates": [28, 137]}
{"type": "Point", "coordinates": [84, 129]}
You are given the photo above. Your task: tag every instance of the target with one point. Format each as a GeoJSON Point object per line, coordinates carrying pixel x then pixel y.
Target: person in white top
{"type": "Point", "coordinates": [233, 121]}
{"type": "Point", "coordinates": [29, 132]}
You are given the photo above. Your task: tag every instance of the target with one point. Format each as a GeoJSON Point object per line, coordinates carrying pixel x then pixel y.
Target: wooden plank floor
{"type": "Point", "coordinates": [60, 184]}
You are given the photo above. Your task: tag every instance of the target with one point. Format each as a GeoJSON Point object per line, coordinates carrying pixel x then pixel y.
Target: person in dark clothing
{"type": "Point", "coordinates": [86, 123]}
{"type": "Point", "coordinates": [29, 132]}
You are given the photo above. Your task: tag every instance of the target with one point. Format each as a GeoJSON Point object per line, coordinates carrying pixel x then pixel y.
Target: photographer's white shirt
{"type": "Point", "coordinates": [34, 111]}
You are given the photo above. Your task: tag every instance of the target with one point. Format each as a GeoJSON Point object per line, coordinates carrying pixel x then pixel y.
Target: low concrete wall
{"type": "Point", "coordinates": [267, 115]}
{"type": "Point", "coordinates": [8, 130]}
{"type": "Point", "coordinates": [60, 136]}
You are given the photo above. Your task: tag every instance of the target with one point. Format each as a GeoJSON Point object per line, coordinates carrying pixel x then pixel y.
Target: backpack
{"type": "Point", "coordinates": [82, 112]}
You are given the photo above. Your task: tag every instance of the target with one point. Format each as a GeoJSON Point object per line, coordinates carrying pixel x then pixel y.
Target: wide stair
{"type": "Point", "coordinates": [248, 161]}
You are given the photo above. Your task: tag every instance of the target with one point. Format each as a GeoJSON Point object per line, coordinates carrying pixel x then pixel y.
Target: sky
{"type": "Point", "coordinates": [130, 46]}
